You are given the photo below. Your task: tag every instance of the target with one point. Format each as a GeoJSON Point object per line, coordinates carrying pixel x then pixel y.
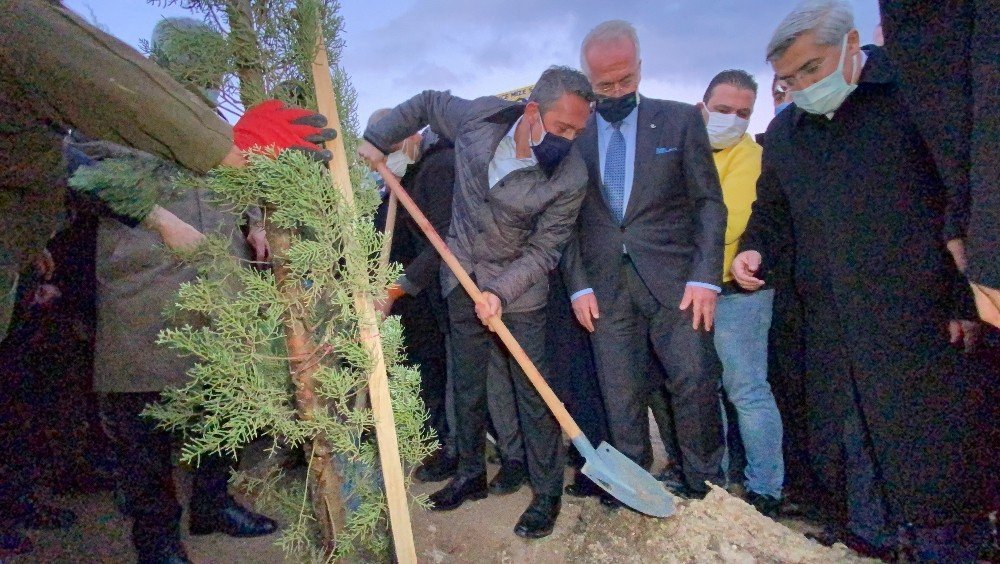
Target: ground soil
{"type": "Point", "coordinates": [721, 528]}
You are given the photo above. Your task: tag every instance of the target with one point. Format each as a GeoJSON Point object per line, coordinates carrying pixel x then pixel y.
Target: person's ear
{"type": "Point", "coordinates": [704, 110]}
{"type": "Point", "coordinates": [853, 42]}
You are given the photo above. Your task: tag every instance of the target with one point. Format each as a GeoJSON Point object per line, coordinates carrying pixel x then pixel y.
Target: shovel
{"type": "Point", "coordinates": [608, 468]}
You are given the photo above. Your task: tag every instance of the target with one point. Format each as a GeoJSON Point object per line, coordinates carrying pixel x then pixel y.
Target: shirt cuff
{"type": "Point", "coordinates": [582, 292]}
{"type": "Point", "coordinates": [717, 289]}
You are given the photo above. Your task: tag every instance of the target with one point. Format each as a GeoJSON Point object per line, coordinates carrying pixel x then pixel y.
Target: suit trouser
{"type": "Point", "coordinates": [502, 402]}
{"type": "Point", "coordinates": [632, 320]}
{"type": "Point", "coordinates": [424, 343]}
{"type": "Point", "coordinates": [472, 346]}
{"type": "Point", "coordinates": [145, 472]}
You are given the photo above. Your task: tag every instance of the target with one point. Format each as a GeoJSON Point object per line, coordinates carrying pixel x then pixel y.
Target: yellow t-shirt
{"type": "Point", "coordinates": [739, 168]}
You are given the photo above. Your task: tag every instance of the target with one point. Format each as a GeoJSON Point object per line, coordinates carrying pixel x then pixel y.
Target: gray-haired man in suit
{"type": "Point", "coordinates": [644, 268]}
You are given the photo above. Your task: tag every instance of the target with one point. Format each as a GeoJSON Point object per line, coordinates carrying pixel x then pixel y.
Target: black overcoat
{"type": "Point", "coordinates": [859, 202]}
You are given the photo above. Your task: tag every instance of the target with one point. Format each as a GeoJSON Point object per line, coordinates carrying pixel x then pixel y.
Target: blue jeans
{"type": "Point", "coordinates": [742, 322]}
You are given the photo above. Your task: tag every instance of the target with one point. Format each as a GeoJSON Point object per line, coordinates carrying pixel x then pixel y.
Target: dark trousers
{"type": "Point", "coordinates": [631, 321]}
{"type": "Point", "coordinates": [424, 342]}
{"type": "Point", "coordinates": [472, 346]}
{"type": "Point", "coordinates": [572, 373]}
{"type": "Point", "coordinates": [145, 474]}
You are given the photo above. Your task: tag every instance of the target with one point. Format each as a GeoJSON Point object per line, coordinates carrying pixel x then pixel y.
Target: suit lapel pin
{"type": "Point", "coordinates": [652, 126]}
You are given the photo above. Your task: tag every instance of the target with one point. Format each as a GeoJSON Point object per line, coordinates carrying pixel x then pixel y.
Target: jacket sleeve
{"type": "Point", "coordinates": [442, 111]}
{"type": "Point", "coordinates": [82, 77]}
{"type": "Point", "coordinates": [552, 230]}
{"type": "Point", "coordinates": [435, 183]}
{"type": "Point", "coordinates": [769, 230]}
{"type": "Point", "coordinates": [705, 194]}
{"type": "Point", "coordinates": [571, 264]}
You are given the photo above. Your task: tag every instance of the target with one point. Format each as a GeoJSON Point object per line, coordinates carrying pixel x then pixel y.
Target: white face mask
{"type": "Point", "coordinates": [725, 130]}
{"type": "Point", "coordinates": [826, 95]}
{"type": "Point", "coordinates": [397, 162]}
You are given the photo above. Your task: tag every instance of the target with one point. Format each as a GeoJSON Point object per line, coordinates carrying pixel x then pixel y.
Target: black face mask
{"type": "Point", "coordinates": [617, 109]}
{"type": "Point", "coordinates": [550, 151]}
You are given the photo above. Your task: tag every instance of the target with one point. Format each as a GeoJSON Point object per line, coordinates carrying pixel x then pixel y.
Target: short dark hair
{"type": "Point", "coordinates": [559, 80]}
{"type": "Point", "coordinates": [735, 77]}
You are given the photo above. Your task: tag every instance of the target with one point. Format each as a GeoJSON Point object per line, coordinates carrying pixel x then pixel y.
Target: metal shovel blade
{"type": "Point", "coordinates": [624, 479]}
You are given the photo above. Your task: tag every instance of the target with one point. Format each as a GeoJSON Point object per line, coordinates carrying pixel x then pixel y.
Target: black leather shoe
{"type": "Point", "coordinates": [687, 492]}
{"type": "Point", "coordinates": [539, 518]}
{"type": "Point", "coordinates": [509, 479]}
{"type": "Point", "coordinates": [671, 477]}
{"type": "Point", "coordinates": [437, 467]}
{"type": "Point", "coordinates": [583, 486]}
{"type": "Point", "coordinates": [767, 505]}
{"type": "Point", "coordinates": [233, 520]}
{"type": "Point", "coordinates": [458, 490]}
{"type": "Point", "coordinates": [167, 553]}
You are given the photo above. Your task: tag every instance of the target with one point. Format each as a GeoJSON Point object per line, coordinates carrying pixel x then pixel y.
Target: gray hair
{"type": "Point", "coordinates": [609, 31]}
{"type": "Point", "coordinates": [378, 115]}
{"type": "Point", "coordinates": [557, 81]}
{"type": "Point", "coordinates": [831, 20]}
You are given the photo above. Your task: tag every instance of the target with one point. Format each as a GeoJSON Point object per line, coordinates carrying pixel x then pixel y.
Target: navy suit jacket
{"type": "Point", "coordinates": [675, 221]}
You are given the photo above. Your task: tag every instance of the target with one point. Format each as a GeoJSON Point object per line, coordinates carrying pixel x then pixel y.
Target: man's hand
{"type": "Point", "coordinates": [964, 332]}
{"type": "Point", "coordinates": [45, 265]}
{"type": "Point", "coordinates": [371, 154]}
{"type": "Point", "coordinates": [176, 234]}
{"type": "Point", "coordinates": [257, 239]}
{"type": "Point", "coordinates": [488, 308]}
{"type": "Point", "coordinates": [585, 309]}
{"type": "Point", "coordinates": [703, 300]}
{"type": "Point", "coordinates": [988, 303]}
{"type": "Point", "coordinates": [384, 305]}
{"type": "Point", "coordinates": [744, 269]}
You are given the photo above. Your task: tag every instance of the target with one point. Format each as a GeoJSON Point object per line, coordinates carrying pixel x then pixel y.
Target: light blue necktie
{"type": "Point", "coordinates": [614, 172]}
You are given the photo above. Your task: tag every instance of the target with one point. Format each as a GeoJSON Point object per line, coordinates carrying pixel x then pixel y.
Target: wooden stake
{"type": "Point", "coordinates": [378, 382]}
{"type": "Point", "coordinates": [390, 228]}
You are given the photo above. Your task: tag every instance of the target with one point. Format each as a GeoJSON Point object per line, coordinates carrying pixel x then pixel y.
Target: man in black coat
{"type": "Point", "coordinates": [849, 186]}
{"type": "Point", "coordinates": [644, 268]}
{"type": "Point", "coordinates": [416, 295]}
{"type": "Point", "coordinates": [949, 52]}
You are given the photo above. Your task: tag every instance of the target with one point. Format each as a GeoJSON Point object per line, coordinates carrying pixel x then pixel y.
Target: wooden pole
{"type": "Point", "coordinates": [378, 382]}
{"type": "Point", "coordinates": [390, 227]}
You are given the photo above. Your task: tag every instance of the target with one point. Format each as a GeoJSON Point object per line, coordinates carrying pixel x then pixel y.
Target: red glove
{"type": "Point", "coordinates": [271, 124]}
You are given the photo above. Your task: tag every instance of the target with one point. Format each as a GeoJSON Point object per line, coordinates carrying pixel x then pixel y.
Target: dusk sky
{"type": "Point", "coordinates": [396, 48]}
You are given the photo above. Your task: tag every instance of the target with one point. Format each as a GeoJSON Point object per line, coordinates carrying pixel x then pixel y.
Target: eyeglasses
{"type": "Point", "coordinates": [608, 88]}
{"type": "Point", "coordinates": [790, 82]}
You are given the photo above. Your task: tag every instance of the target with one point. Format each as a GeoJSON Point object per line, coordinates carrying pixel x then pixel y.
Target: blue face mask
{"type": "Point", "coordinates": [550, 150]}
{"type": "Point", "coordinates": [826, 95]}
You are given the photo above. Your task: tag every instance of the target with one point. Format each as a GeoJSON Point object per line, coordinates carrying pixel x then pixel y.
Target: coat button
{"type": "Point", "coordinates": [622, 228]}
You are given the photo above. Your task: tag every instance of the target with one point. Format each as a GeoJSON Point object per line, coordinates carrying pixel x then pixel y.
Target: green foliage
{"type": "Point", "coordinates": [240, 387]}
{"type": "Point", "coordinates": [129, 185]}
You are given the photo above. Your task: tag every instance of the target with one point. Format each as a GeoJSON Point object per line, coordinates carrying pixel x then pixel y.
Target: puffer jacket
{"type": "Point", "coordinates": [509, 237]}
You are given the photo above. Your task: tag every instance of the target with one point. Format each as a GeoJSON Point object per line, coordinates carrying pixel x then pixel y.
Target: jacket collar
{"type": "Point", "coordinates": [878, 69]}
{"type": "Point", "coordinates": [507, 114]}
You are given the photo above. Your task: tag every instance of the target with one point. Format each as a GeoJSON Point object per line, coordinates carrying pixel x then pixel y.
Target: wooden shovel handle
{"type": "Point", "coordinates": [557, 408]}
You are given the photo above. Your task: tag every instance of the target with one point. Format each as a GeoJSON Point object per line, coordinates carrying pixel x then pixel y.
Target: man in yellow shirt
{"type": "Point", "coordinates": [742, 319]}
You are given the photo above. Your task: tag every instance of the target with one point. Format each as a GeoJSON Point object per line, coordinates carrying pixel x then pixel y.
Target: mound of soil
{"type": "Point", "coordinates": [720, 528]}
